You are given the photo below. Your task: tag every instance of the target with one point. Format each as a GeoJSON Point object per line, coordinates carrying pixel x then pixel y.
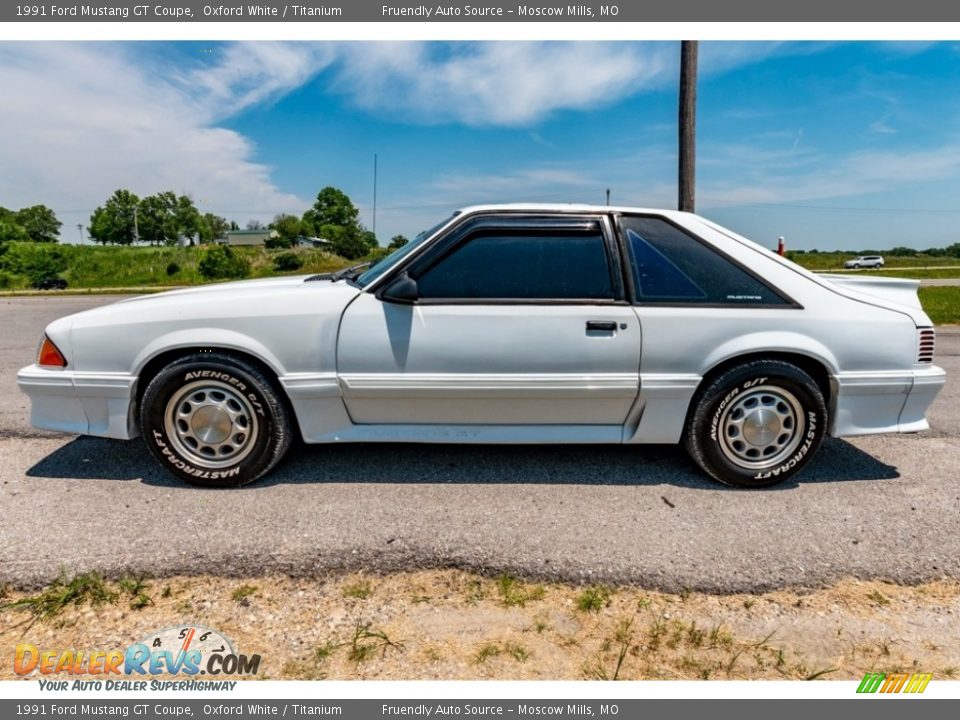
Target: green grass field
{"type": "Point", "coordinates": [942, 304]}
{"type": "Point", "coordinates": [830, 262]}
{"type": "Point", "coordinates": [97, 267]}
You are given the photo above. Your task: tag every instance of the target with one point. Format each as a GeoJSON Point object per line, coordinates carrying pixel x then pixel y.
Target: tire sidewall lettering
{"type": "Point", "coordinates": [811, 433]}
{"type": "Point", "coordinates": [175, 461]}
{"type": "Point", "coordinates": [233, 381]}
{"type": "Point", "coordinates": [253, 386]}
{"type": "Point", "coordinates": [809, 437]}
{"type": "Point", "coordinates": [727, 399]}
{"type": "Point", "coordinates": [180, 464]}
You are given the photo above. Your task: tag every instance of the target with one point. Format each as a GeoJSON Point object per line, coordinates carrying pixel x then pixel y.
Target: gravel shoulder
{"type": "Point", "coordinates": [441, 625]}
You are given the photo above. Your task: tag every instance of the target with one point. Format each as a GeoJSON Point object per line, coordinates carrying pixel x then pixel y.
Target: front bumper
{"type": "Point", "coordinates": [76, 402]}
{"type": "Point", "coordinates": [866, 403]}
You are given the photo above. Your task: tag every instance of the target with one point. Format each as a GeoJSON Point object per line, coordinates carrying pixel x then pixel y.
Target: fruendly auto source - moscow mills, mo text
{"type": "Point", "coordinates": [520, 11]}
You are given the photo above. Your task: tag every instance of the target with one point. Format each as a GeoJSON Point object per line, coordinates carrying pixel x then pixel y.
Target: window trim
{"type": "Point", "coordinates": [528, 222]}
{"type": "Point", "coordinates": [618, 217]}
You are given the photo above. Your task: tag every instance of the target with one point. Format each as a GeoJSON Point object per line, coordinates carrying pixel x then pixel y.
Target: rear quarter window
{"type": "Point", "coordinates": [670, 266]}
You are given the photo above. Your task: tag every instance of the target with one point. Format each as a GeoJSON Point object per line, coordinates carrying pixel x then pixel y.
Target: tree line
{"type": "Point", "coordinates": [165, 218]}
{"type": "Point", "coordinates": [36, 223]}
{"type": "Point", "coordinates": [160, 219]}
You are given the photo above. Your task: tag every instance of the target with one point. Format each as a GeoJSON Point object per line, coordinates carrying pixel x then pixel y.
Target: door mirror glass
{"type": "Point", "coordinates": [402, 290]}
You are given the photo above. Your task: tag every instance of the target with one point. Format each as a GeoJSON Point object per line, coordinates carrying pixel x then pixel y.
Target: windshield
{"type": "Point", "coordinates": [399, 254]}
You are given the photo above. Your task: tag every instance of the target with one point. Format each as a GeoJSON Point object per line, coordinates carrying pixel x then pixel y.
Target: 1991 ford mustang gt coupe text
{"type": "Point", "coordinates": [505, 324]}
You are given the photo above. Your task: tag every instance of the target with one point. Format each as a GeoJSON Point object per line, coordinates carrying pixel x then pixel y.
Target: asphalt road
{"type": "Point", "coordinates": [878, 507]}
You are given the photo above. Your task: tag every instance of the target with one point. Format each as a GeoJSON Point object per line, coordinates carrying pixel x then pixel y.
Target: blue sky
{"type": "Point", "coordinates": [845, 146]}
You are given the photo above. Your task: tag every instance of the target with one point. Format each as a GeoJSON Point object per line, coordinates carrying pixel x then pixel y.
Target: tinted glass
{"type": "Point", "coordinates": [537, 266]}
{"type": "Point", "coordinates": [670, 266]}
{"type": "Point", "coordinates": [379, 268]}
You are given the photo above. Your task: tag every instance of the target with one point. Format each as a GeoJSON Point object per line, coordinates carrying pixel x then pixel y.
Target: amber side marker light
{"type": "Point", "coordinates": [50, 355]}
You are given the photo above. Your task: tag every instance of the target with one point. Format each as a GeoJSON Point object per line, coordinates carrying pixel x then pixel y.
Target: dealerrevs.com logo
{"type": "Point", "coordinates": [184, 650]}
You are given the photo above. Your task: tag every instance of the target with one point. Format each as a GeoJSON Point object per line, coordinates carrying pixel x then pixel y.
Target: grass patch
{"type": "Point", "coordinates": [136, 587]}
{"type": "Point", "coordinates": [820, 673]}
{"type": "Point", "coordinates": [487, 651]}
{"type": "Point", "coordinates": [322, 652]}
{"type": "Point", "coordinates": [942, 304]}
{"type": "Point", "coordinates": [366, 643]}
{"type": "Point", "coordinates": [517, 652]}
{"type": "Point", "coordinates": [613, 652]}
{"type": "Point", "coordinates": [515, 593]}
{"type": "Point", "coordinates": [594, 599]}
{"type": "Point", "coordinates": [474, 592]}
{"type": "Point", "coordinates": [360, 590]}
{"type": "Point", "coordinates": [879, 598]}
{"type": "Point", "coordinates": [243, 594]}
{"type": "Point", "coordinates": [541, 623]}
{"type": "Point", "coordinates": [83, 589]}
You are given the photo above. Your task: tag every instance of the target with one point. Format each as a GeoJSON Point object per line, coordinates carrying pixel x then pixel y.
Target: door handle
{"type": "Point", "coordinates": [601, 325]}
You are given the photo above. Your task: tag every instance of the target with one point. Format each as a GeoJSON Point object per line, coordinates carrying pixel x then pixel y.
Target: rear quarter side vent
{"type": "Point", "coordinates": [926, 341]}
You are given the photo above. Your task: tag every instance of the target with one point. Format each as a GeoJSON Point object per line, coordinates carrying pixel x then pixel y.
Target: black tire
{"type": "Point", "coordinates": [215, 420]}
{"type": "Point", "coordinates": [756, 424]}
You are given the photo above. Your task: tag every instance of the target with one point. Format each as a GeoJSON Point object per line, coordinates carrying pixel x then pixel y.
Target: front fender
{"type": "Point", "coordinates": [201, 337]}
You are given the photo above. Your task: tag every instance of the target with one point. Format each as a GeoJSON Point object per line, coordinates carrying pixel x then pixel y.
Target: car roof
{"type": "Point", "coordinates": [567, 208]}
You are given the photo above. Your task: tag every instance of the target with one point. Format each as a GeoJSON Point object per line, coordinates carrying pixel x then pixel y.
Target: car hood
{"type": "Point", "coordinates": [239, 287]}
{"type": "Point", "coordinates": [283, 297]}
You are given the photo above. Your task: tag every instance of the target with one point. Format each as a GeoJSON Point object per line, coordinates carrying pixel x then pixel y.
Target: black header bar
{"type": "Point", "coordinates": [739, 11]}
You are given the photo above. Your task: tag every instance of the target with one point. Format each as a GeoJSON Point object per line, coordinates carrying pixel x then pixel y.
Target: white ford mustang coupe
{"type": "Point", "coordinates": [505, 324]}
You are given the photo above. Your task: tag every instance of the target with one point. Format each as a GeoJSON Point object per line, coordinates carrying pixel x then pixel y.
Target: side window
{"type": "Point", "coordinates": [670, 266]}
{"type": "Point", "coordinates": [515, 264]}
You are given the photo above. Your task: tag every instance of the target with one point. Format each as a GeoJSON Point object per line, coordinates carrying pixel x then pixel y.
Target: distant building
{"type": "Point", "coordinates": [249, 237]}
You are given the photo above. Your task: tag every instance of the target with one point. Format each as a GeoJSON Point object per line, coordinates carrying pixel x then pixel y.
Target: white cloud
{"type": "Point", "coordinates": [521, 83]}
{"type": "Point", "coordinates": [248, 74]}
{"type": "Point", "coordinates": [498, 83]}
{"type": "Point", "coordinates": [86, 119]}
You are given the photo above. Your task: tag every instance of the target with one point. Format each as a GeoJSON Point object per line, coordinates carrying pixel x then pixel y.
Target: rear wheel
{"type": "Point", "coordinates": [756, 424]}
{"type": "Point", "coordinates": [215, 420]}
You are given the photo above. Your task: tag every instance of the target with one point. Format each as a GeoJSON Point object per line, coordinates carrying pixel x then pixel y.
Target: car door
{"type": "Point", "coordinates": [516, 320]}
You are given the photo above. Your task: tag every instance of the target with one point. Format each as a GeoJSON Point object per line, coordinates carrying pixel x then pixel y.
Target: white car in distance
{"type": "Point", "coordinates": [505, 324]}
{"type": "Point", "coordinates": [864, 261]}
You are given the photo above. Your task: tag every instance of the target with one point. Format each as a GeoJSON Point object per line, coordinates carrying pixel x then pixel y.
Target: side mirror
{"type": "Point", "coordinates": [402, 290]}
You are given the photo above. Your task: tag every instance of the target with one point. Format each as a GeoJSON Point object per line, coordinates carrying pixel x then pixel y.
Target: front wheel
{"type": "Point", "coordinates": [215, 420]}
{"type": "Point", "coordinates": [756, 424]}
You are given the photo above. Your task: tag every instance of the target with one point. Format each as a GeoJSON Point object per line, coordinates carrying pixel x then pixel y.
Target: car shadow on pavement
{"type": "Point", "coordinates": [642, 465]}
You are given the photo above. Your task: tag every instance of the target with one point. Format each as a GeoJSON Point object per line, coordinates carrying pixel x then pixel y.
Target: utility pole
{"type": "Point", "coordinates": [80, 228]}
{"type": "Point", "coordinates": [687, 126]}
{"type": "Point", "coordinates": [374, 195]}
{"type": "Point", "coordinates": [136, 229]}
